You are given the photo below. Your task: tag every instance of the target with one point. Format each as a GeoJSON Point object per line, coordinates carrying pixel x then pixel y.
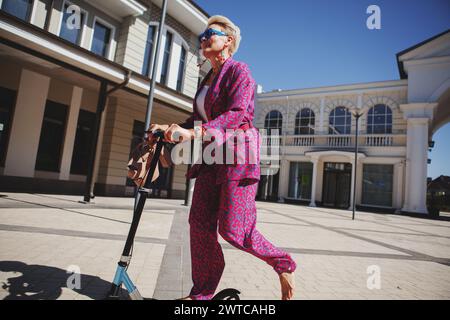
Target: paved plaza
{"type": "Point", "coordinates": [43, 238]}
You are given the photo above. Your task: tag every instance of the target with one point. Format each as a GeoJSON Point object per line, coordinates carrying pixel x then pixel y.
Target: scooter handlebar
{"type": "Point", "coordinates": [157, 133]}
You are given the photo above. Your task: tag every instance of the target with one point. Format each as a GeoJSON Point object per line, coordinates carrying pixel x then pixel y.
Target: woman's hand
{"type": "Point", "coordinates": [176, 132]}
{"type": "Point", "coordinates": [155, 127]}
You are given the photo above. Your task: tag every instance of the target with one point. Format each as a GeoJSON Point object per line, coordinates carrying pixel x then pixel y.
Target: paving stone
{"type": "Point", "coordinates": [42, 235]}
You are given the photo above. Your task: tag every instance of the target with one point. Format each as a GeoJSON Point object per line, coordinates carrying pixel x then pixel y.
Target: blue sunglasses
{"type": "Point", "coordinates": [208, 33]}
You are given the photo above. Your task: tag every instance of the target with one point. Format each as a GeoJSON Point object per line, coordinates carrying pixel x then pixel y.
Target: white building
{"type": "Point", "coordinates": [317, 145]}
{"type": "Point", "coordinates": [53, 79]}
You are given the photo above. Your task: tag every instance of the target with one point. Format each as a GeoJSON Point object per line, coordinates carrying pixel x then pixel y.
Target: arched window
{"type": "Point", "coordinates": [173, 59]}
{"type": "Point", "coordinates": [274, 120]}
{"type": "Point", "coordinates": [379, 120]}
{"type": "Point", "coordinates": [340, 121]}
{"type": "Point", "coordinates": [304, 121]}
{"type": "Point", "coordinates": [148, 50]}
{"type": "Point", "coordinates": [166, 59]}
{"type": "Point", "coordinates": [181, 69]}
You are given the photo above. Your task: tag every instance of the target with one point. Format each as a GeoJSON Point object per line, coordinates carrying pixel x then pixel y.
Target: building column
{"type": "Point", "coordinates": [359, 181]}
{"type": "Point", "coordinates": [398, 186]}
{"type": "Point", "coordinates": [283, 181]}
{"type": "Point", "coordinates": [98, 153]}
{"type": "Point", "coordinates": [71, 131]}
{"type": "Point", "coordinates": [314, 182]}
{"type": "Point", "coordinates": [295, 184]}
{"type": "Point", "coordinates": [418, 116]}
{"type": "Point", "coordinates": [322, 108]}
{"type": "Point", "coordinates": [27, 123]}
{"type": "Point", "coordinates": [406, 194]}
{"type": "Point", "coordinates": [417, 155]}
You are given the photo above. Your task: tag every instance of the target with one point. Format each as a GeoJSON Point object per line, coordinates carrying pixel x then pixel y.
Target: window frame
{"type": "Point", "coordinates": [348, 115]}
{"type": "Point", "coordinates": [10, 121]}
{"type": "Point", "coordinates": [169, 57]}
{"type": "Point", "coordinates": [269, 129]}
{"type": "Point", "coordinates": [92, 114]}
{"type": "Point", "coordinates": [386, 124]}
{"type": "Point", "coordinates": [155, 37]}
{"type": "Point", "coordinates": [33, 11]}
{"type": "Point", "coordinates": [173, 65]}
{"type": "Point", "coordinates": [83, 23]}
{"type": "Point", "coordinates": [183, 74]}
{"type": "Point", "coordinates": [392, 192]}
{"type": "Point", "coordinates": [298, 122]}
{"type": "Point", "coordinates": [302, 167]}
{"type": "Point", "coordinates": [110, 52]}
{"type": "Point", "coordinates": [61, 147]}
{"type": "Point", "coordinates": [30, 16]}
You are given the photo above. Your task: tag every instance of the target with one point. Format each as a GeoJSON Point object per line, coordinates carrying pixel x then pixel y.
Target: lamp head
{"type": "Point", "coordinates": [357, 113]}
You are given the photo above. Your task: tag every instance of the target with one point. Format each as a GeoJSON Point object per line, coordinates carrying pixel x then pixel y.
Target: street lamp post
{"type": "Point", "coordinates": [153, 65]}
{"type": "Point", "coordinates": [357, 116]}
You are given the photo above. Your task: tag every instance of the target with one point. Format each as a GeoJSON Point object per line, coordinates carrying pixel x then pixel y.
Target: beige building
{"type": "Point", "coordinates": [317, 142]}
{"type": "Point", "coordinates": [59, 57]}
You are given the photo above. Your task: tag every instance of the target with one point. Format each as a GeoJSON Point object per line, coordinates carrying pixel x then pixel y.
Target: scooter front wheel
{"type": "Point", "coordinates": [227, 294]}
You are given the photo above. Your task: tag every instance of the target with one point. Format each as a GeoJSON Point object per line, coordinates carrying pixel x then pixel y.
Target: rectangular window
{"type": "Point", "coordinates": [101, 40]}
{"type": "Point", "coordinates": [166, 58]}
{"type": "Point", "coordinates": [181, 69]}
{"type": "Point", "coordinates": [83, 142]}
{"type": "Point", "coordinates": [300, 180]}
{"type": "Point", "coordinates": [71, 26]}
{"type": "Point", "coordinates": [137, 135]}
{"type": "Point", "coordinates": [52, 137]}
{"type": "Point", "coordinates": [148, 50]}
{"type": "Point", "coordinates": [18, 8]}
{"type": "Point", "coordinates": [377, 185]}
{"type": "Point", "coordinates": [7, 101]}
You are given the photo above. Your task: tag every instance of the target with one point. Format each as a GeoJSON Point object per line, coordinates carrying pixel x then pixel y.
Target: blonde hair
{"type": "Point", "coordinates": [230, 29]}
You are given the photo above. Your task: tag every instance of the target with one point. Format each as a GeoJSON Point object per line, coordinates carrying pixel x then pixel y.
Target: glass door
{"type": "Point", "coordinates": [336, 185]}
{"type": "Point", "coordinates": [329, 188]}
{"type": "Point", "coordinates": [268, 187]}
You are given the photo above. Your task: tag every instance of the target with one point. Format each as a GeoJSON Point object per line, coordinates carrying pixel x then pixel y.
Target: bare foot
{"type": "Point", "coordinates": [185, 298]}
{"type": "Point", "coordinates": [287, 281]}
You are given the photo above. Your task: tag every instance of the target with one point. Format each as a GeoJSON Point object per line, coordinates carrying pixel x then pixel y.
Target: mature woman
{"type": "Point", "coordinates": [224, 194]}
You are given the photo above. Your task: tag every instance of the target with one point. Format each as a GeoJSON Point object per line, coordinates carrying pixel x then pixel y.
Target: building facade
{"type": "Point", "coordinates": [396, 123]}
{"type": "Point", "coordinates": [60, 59]}
{"type": "Point", "coordinates": [55, 77]}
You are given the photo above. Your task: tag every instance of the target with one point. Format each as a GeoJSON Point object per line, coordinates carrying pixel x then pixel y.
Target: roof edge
{"type": "Point", "coordinates": [401, 69]}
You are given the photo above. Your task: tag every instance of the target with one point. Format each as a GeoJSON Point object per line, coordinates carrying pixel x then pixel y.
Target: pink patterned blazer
{"type": "Point", "coordinates": [229, 104]}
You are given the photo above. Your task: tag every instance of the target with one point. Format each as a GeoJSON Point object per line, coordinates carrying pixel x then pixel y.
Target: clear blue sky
{"type": "Point", "coordinates": [310, 43]}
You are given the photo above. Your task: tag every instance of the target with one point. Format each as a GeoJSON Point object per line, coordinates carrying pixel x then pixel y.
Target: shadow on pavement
{"type": "Point", "coordinates": [38, 282]}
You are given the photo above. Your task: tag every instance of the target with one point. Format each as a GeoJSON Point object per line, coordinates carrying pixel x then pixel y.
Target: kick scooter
{"type": "Point", "coordinates": [121, 277]}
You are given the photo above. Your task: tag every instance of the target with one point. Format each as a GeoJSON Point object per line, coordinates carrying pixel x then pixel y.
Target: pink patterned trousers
{"type": "Point", "coordinates": [230, 209]}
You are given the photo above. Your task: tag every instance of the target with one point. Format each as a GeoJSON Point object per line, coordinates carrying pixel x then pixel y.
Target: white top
{"type": "Point", "coordinates": [201, 102]}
